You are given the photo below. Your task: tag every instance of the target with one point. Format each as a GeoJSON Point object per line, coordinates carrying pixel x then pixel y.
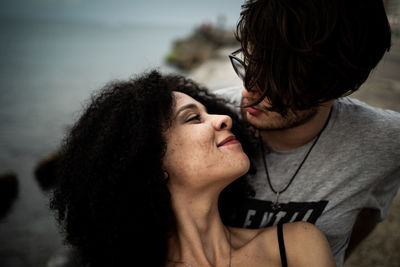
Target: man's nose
{"type": "Point", "coordinates": [253, 93]}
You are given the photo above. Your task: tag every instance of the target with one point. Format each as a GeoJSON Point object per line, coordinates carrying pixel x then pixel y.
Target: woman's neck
{"type": "Point", "coordinates": [201, 239]}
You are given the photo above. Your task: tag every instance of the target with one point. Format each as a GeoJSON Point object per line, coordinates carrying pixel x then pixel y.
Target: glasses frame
{"type": "Point", "coordinates": [233, 58]}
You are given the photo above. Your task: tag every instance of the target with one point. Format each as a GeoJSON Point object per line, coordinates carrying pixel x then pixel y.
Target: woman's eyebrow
{"type": "Point", "coordinates": [188, 106]}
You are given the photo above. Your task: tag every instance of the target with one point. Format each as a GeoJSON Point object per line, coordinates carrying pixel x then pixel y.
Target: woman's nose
{"type": "Point", "coordinates": [223, 122]}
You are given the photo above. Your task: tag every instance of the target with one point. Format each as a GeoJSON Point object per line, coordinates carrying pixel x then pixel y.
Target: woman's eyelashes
{"type": "Point", "coordinates": [194, 117]}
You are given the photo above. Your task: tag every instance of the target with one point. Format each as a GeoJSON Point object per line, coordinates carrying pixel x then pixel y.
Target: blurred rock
{"type": "Point", "coordinates": [190, 52]}
{"type": "Point", "coordinates": [46, 171]}
{"type": "Point", "coordinates": [8, 192]}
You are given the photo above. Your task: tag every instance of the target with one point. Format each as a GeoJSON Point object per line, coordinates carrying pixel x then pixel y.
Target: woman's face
{"type": "Point", "coordinates": [200, 147]}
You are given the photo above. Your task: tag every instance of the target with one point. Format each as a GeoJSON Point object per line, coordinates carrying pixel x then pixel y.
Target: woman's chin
{"type": "Point", "coordinates": [241, 167]}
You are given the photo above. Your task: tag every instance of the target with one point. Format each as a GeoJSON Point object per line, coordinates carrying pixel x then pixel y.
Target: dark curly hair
{"type": "Point", "coordinates": [112, 201]}
{"type": "Point", "coordinates": [301, 53]}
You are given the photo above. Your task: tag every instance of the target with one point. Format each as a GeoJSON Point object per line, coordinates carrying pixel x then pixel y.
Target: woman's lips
{"type": "Point", "coordinates": [253, 111]}
{"type": "Point", "coordinates": [229, 141]}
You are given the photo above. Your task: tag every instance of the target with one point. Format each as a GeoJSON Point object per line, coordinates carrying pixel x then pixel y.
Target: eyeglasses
{"type": "Point", "coordinates": [238, 65]}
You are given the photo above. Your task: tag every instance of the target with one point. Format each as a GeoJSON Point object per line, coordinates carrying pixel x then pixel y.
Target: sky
{"type": "Point", "coordinates": [124, 11]}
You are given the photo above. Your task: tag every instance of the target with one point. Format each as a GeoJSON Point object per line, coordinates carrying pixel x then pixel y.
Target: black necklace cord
{"type": "Point", "coordinates": [302, 162]}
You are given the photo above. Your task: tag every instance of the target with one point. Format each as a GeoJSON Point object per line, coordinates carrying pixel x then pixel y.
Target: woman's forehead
{"type": "Point", "coordinates": [182, 100]}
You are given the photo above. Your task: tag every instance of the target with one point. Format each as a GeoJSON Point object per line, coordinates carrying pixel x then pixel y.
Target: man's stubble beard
{"type": "Point", "coordinates": [276, 121]}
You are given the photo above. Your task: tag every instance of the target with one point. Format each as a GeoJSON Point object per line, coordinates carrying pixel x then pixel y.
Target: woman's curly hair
{"type": "Point", "coordinates": [112, 201]}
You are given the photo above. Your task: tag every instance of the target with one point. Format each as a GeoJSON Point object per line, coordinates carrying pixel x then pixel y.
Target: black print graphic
{"type": "Point", "coordinates": [258, 213]}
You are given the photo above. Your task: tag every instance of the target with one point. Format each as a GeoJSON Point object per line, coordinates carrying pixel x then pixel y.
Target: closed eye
{"type": "Point", "coordinates": [194, 118]}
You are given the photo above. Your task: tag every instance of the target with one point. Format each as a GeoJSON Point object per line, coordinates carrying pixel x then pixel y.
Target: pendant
{"type": "Point", "coordinates": [276, 206]}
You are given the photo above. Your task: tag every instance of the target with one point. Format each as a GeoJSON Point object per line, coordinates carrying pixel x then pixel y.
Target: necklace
{"type": "Point", "coordinates": [276, 205]}
{"type": "Point", "coordinates": [230, 255]}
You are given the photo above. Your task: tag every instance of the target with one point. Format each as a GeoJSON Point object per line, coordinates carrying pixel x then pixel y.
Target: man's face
{"type": "Point", "coordinates": [263, 119]}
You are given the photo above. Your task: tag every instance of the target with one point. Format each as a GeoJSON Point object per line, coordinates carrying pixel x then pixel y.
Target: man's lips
{"type": "Point", "coordinates": [228, 141]}
{"type": "Point", "coordinates": [253, 111]}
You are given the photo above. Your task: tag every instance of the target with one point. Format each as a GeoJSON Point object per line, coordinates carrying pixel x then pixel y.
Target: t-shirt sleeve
{"type": "Point", "coordinates": [381, 135]}
{"type": "Point", "coordinates": [386, 188]}
{"type": "Point", "coordinates": [383, 193]}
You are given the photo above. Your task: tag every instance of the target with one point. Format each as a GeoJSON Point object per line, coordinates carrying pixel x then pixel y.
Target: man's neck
{"type": "Point", "coordinates": [295, 137]}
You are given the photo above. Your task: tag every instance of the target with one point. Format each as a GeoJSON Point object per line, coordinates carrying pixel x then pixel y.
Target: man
{"type": "Point", "coordinates": [323, 158]}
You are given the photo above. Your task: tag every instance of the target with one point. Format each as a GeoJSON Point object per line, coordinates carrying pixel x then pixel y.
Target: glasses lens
{"type": "Point", "coordinates": [239, 68]}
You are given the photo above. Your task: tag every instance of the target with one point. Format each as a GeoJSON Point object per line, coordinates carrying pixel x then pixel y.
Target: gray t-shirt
{"type": "Point", "coordinates": [354, 165]}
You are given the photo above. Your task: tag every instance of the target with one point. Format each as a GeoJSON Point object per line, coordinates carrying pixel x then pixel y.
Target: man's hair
{"type": "Point", "coordinates": [301, 53]}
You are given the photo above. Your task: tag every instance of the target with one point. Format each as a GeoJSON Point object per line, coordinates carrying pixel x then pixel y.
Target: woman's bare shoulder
{"type": "Point", "coordinates": [258, 247]}
{"type": "Point", "coordinates": [306, 245]}
{"type": "Point", "coordinates": [302, 229]}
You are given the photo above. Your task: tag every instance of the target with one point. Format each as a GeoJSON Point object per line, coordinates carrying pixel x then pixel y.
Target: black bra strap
{"type": "Point", "coordinates": [281, 242]}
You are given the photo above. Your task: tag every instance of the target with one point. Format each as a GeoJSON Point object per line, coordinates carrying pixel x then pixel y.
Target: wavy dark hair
{"type": "Point", "coordinates": [112, 201]}
{"type": "Point", "coordinates": [301, 53]}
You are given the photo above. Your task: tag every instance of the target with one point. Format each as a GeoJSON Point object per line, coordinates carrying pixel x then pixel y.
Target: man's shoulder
{"type": "Point", "coordinates": [364, 128]}
{"type": "Point", "coordinates": [359, 114]}
{"type": "Point", "coordinates": [359, 108]}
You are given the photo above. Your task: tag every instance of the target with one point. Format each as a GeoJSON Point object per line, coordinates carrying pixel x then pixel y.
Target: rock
{"type": "Point", "coordinates": [190, 52]}
{"type": "Point", "coordinates": [8, 192]}
{"type": "Point", "coordinates": [217, 72]}
{"type": "Point", "coordinates": [46, 171]}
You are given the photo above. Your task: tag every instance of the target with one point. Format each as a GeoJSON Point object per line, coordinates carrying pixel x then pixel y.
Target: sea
{"type": "Point", "coordinates": [49, 69]}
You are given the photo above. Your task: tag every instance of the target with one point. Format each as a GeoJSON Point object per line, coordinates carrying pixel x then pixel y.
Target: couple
{"type": "Point", "coordinates": [155, 165]}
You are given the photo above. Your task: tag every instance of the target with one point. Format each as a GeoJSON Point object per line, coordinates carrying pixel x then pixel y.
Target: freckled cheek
{"type": "Point", "coordinates": [190, 156]}
{"type": "Point", "coordinates": [207, 150]}
{"type": "Point", "coordinates": [198, 154]}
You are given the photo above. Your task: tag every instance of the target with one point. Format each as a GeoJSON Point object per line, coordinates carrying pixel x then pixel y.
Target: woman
{"type": "Point", "coordinates": [141, 175]}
